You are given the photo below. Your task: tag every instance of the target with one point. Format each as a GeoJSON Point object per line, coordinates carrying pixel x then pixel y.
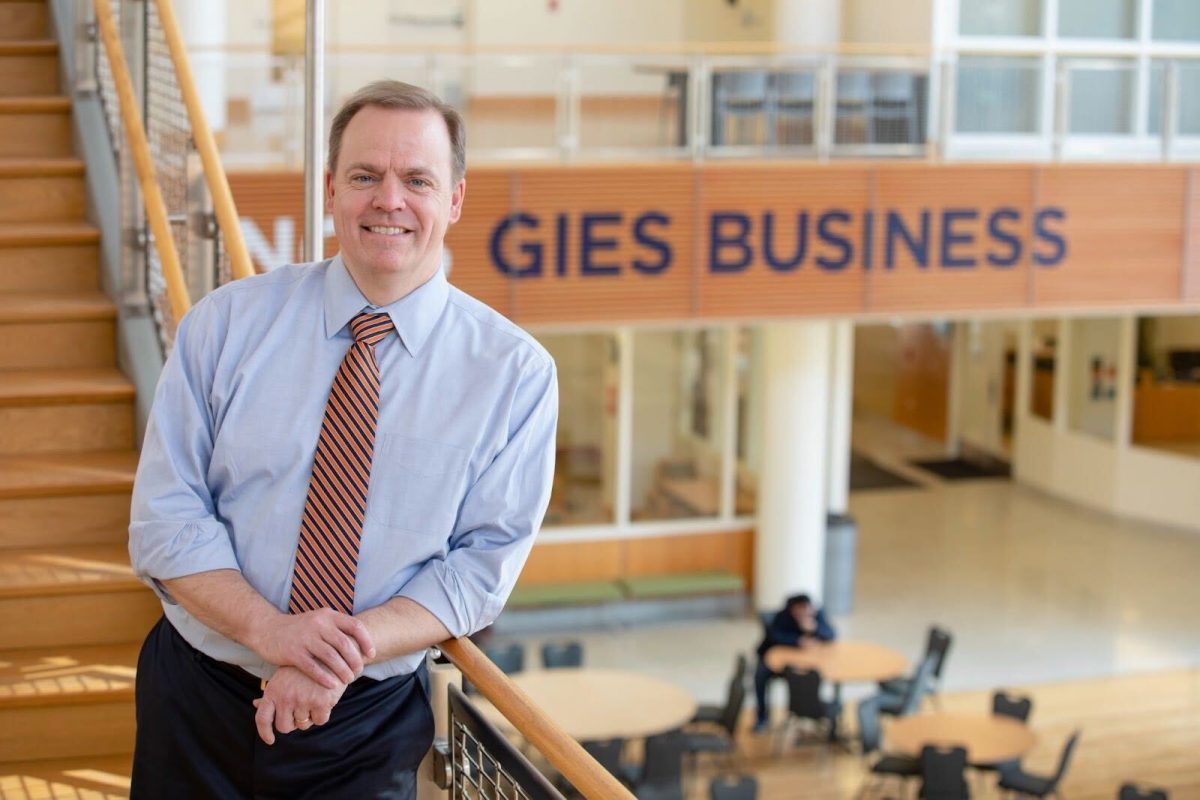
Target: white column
{"type": "Point", "coordinates": [789, 548]}
{"type": "Point", "coordinates": [808, 22]}
{"type": "Point", "coordinates": [203, 26]}
{"type": "Point", "coordinates": [841, 412]}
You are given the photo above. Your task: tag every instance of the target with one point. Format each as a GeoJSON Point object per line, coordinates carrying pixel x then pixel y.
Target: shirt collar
{"type": "Point", "coordinates": [414, 315]}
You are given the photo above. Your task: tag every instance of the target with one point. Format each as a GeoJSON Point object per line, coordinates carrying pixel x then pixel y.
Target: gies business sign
{"type": "Point", "coordinates": [528, 245]}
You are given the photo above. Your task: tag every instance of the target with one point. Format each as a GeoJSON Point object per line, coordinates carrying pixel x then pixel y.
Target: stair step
{"type": "Point", "coordinates": [29, 66]}
{"type": "Point", "coordinates": [35, 126]}
{"type": "Point", "coordinates": [55, 257]}
{"type": "Point", "coordinates": [52, 500]}
{"type": "Point", "coordinates": [59, 411]}
{"type": "Point", "coordinates": [23, 20]}
{"type": "Point", "coordinates": [50, 701]}
{"type": "Point", "coordinates": [97, 777]}
{"type": "Point", "coordinates": [55, 676]}
{"type": "Point", "coordinates": [41, 189]}
{"type": "Point", "coordinates": [56, 330]}
{"type": "Point", "coordinates": [65, 387]}
{"type": "Point", "coordinates": [54, 596]}
{"type": "Point", "coordinates": [58, 476]}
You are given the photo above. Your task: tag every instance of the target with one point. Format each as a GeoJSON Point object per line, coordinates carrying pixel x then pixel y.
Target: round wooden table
{"type": "Point", "coordinates": [591, 703]}
{"type": "Point", "coordinates": [840, 662]}
{"type": "Point", "coordinates": [988, 738]}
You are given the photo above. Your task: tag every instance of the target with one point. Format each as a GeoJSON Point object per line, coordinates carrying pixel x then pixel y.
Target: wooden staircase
{"type": "Point", "coordinates": [72, 615]}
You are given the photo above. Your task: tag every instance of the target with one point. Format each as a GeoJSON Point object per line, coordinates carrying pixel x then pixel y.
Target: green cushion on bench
{"type": "Point", "coordinates": [688, 583]}
{"type": "Point", "coordinates": [564, 594]}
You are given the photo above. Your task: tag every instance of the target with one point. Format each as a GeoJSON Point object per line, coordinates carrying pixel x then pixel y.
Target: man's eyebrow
{"type": "Point", "coordinates": [363, 165]}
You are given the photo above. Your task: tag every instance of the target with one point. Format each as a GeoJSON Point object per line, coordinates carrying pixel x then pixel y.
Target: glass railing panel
{"type": "Point", "coordinates": [631, 102]}
{"type": "Point", "coordinates": [1101, 96]}
{"type": "Point", "coordinates": [998, 95]}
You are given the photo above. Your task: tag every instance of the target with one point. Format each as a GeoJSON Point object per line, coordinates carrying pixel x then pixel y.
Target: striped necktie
{"type": "Point", "coordinates": [331, 527]}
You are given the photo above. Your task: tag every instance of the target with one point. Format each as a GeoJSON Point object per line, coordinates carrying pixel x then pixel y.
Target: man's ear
{"type": "Point", "coordinates": [456, 200]}
{"type": "Point", "coordinates": [328, 190]}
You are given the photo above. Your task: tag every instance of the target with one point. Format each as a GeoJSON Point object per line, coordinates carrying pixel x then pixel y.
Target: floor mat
{"type": "Point", "coordinates": [866, 474]}
{"type": "Point", "coordinates": [957, 469]}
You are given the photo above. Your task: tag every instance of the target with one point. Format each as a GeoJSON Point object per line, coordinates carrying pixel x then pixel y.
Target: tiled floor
{"type": "Point", "coordinates": [1034, 589]}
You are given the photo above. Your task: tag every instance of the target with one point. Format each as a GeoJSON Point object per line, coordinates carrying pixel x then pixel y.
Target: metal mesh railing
{"type": "Point", "coordinates": [485, 765]}
{"type": "Point", "coordinates": [180, 179]}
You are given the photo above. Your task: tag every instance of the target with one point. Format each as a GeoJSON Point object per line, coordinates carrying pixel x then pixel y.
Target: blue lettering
{"type": "Point", "coordinates": [560, 251]}
{"type": "Point", "coordinates": [797, 258]}
{"type": "Point", "coordinates": [719, 241]}
{"type": "Point", "coordinates": [829, 237]}
{"type": "Point", "coordinates": [1054, 239]}
{"type": "Point", "coordinates": [589, 242]}
{"type": "Point", "coordinates": [868, 243]}
{"type": "Point", "coordinates": [660, 246]}
{"type": "Point", "coordinates": [917, 246]}
{"type": "Point", "coordinates": [1005, 237]}
{"type": "Point", "coordinates": [949, 238]}
{"type": "Point", "coordinates": [533, 266]}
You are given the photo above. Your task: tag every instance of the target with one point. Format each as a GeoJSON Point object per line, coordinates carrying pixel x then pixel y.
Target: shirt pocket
{"type": "Point", "coordinates": [416, 484]}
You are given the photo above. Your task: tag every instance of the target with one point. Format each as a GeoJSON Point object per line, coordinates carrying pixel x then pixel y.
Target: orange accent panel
{"type": "Point", "coordinates": [562, 562]}
{"type": "Point", "coordinates": [1124, 231]}
{"type": "Point", "coordinates": [701, 552]}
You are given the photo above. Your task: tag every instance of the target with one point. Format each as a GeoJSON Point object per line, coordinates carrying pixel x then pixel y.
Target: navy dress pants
{"type": "Point", "coordinates": [196, 736]}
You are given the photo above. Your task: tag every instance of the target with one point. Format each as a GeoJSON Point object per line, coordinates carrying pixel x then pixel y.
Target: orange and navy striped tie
{"type": "Point", "coordinates": [331, 527]}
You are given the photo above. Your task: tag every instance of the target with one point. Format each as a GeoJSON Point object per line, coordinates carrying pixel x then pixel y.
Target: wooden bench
{"type": "Point", "coordinates": [579, 593]}
{"type": "Point", "coordinates": [686, 584]}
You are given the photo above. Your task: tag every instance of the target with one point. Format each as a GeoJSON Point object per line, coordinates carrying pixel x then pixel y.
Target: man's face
{"type": "Point", "coordinates": [392, 196]}
{"type": "Point", "coordinates": [803, 614]}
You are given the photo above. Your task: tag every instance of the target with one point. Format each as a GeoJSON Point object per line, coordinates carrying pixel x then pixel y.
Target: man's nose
{"type": "Point", "coordinates": [390, 194]}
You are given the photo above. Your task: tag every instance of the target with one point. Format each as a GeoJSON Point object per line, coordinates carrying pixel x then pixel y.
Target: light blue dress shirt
{"type": "Point", "coordinates": [464, 449]}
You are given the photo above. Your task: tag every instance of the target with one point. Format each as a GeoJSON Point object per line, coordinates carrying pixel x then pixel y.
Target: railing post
{"type": "Point", "coordinates": [826, 110]}
{"type": "Point", "coordinates": [85, 50]}
{"type": "Point", "coordinates": [946, 114]}
{"type": "Point", "coordinates": [314, 131]}
{"type": "Point", "coordinates": [570, 104]}
{"type": "Point", "coordinates": [1062, 107]}
{"type": "Point", "coordinates": [1170, 109]}
{"type": "Point", "coordinates": [700, 118]}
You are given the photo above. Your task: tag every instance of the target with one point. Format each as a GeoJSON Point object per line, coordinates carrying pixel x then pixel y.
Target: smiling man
{"type": "Point", "coordinates": [346, 462]}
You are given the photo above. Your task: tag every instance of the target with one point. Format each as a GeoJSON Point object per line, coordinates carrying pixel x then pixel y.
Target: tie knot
{"type": "Point", "coordinates": [370, 328]}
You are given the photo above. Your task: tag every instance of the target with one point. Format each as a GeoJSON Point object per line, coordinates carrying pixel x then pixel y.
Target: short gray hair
{"type": "Point", "coordinates": [396, 94]}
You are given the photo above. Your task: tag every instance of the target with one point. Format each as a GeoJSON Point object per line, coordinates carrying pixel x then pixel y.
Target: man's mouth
{"type": "Point", "coordinates": [387, 230]}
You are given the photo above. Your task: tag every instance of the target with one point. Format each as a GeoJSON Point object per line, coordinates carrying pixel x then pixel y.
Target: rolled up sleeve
{"type": "Point", "coordinates": [173, 528]}
{"type": "Point", "coordinates": [499, 517]}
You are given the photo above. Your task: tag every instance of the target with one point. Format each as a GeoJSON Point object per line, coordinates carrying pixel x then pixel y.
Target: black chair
{"type": "Point", "coordinates": [1007, 705]}
{"type": "Point", "coordinates": [915, 691]}
{"type": "Point", "coordinates": [661, 775]}
{"type": "Point", "coordinates": [1130, 791]}
{"type": "Point", "coordinates": [805, 703]}
{"type": "Point", "coordinates": [885, 766]}
{"type": "Point", "coordinates": [1014, 779]}
{"type": "Point", "coordinates": [607, 753]}
{"type": "Point", "coordinates": [723, 740]}
{"type": "Point", "coordinates": [714, 713]}
{"type": "Point", "coordinates": [733, 787]}
{"type": "Point", "coordinates": [943, 774]}
{"type": "Point", "coordinates": [937, 645]}
{"type": "Point", "coordinates": [556, 655]}
{"type": "Point", "coordinates": [509, 658]}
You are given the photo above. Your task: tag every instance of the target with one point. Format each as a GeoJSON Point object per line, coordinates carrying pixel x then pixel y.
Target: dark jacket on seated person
{"type": "Point", "coordinates": [784, 629]}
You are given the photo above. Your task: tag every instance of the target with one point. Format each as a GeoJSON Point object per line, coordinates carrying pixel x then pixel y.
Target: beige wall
{"type": "Point", "coordinates": [887, 21]}
{"type": "Point", "coordinates": [718, 21]}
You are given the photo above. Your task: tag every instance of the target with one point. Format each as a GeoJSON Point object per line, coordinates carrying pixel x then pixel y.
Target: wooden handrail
{"type": "Point", "coordinates": [131, 119]}
{"type": "Point", "coordinates": [206, 146]}
{"type": "Point", "coordinates": [567, 756]}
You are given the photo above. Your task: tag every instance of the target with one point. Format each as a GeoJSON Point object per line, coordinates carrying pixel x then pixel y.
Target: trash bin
{"type": "Point", "coordinates": [841, 542]}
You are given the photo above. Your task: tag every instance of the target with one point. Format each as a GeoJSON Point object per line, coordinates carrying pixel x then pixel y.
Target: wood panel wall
{"type": "Point", "coordinates": [610, 559]}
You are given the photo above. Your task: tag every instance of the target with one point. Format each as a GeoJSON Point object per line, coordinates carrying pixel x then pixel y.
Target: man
{"type": "Point", "coordinates": [798, 624]}
{"type": "Point", "coordinates": [346, 462]}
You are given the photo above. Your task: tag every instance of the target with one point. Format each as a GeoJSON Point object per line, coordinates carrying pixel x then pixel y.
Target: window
{"type": "Point", "coordinates": [1000, 17]}
{"type": "Point", "coordinates": [998, 95]}
{"type": "Point", "coordinates": [585, 462]}
{"type": "Point", "coordinates": [1188, 97]}
{"type": "Point", "coordinates": [678, 427]}
{"type": "Point", "coordinates": [1097, 19]}
{"type": "Point", "coordinates": [1101, 96]}
{"type": "Point", "coordinates": [1176, 21]}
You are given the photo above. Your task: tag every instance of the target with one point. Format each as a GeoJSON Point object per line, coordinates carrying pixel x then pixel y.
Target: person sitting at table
{"type": "Point", "coordinates": [797, 624]}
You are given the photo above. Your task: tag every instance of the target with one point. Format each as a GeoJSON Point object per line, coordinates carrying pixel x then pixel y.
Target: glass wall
{"type": "Point", "coordinates": [1000, 17]}
{"type": "Point", "coordinates": [585, 464]}
{"type": "Point", "coordinates": [1188, 96]}
{"type": "Point", "coordinates": [1045, 349]}
{"type": "Point", "coordinates": [1101, 96]}
{"type": "Point", "coordinates": [678, 427]}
